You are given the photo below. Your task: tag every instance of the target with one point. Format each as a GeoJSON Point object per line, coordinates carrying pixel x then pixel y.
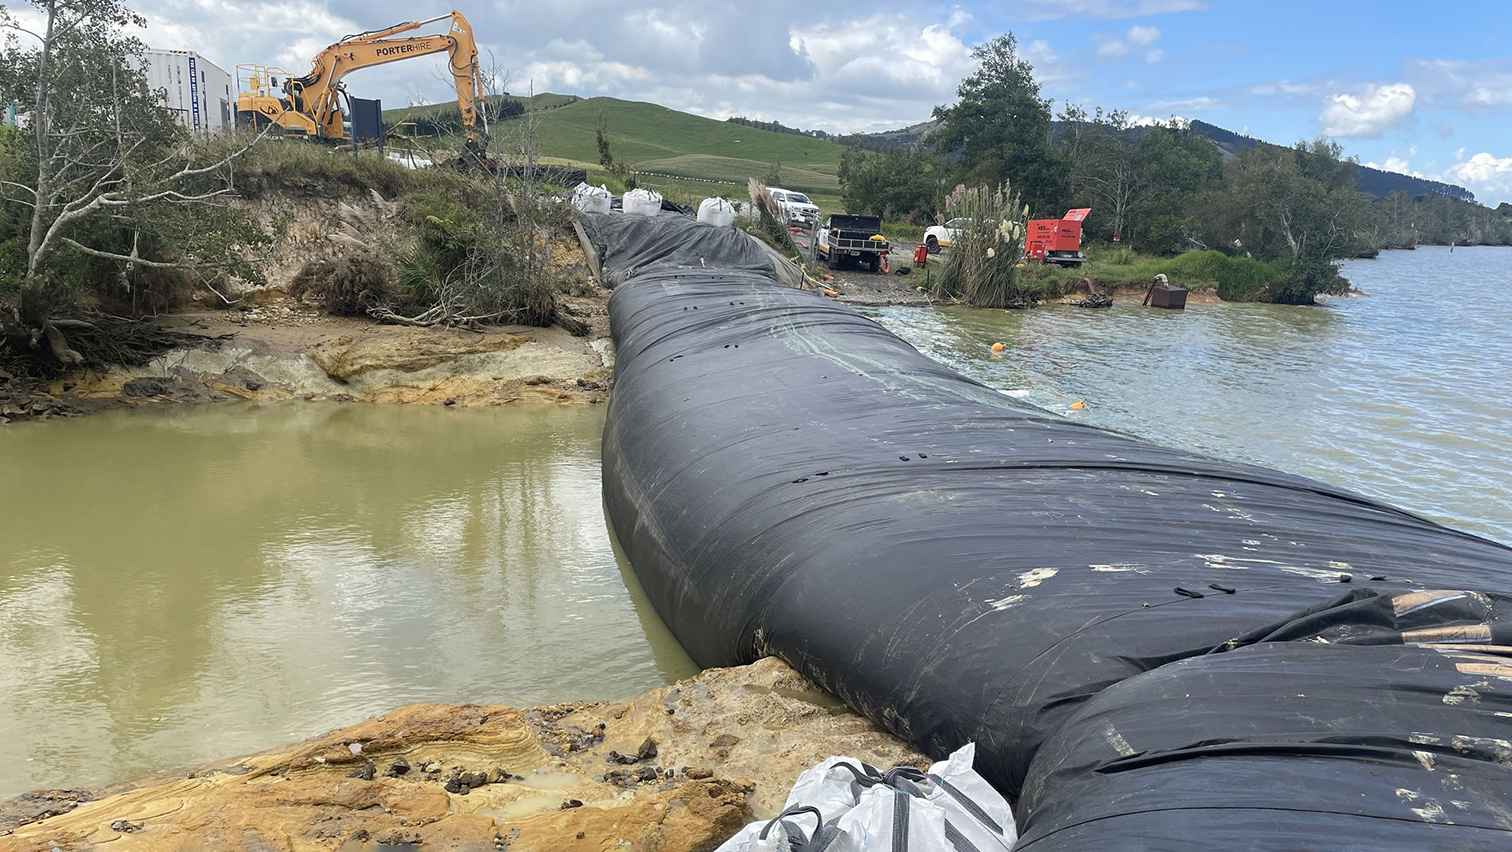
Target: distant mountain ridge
{"type": "Point", "coordinates": [1377, 182]}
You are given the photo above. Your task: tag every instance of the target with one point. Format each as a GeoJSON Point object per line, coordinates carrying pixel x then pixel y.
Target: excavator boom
{"type": "Point", "coordinates": [311, 104]}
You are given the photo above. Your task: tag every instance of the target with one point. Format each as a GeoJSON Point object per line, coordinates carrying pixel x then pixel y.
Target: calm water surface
{"type": "Point", "coordinates": [189, 583]}
{"type": "Point", "coordinates": [184, 584]}
{"type": "Point", "coordinates": [1405, 395]}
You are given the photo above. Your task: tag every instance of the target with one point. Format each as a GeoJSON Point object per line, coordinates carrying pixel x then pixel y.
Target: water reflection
{"type": "Point", "coordinates": [183, 584]}
{"type": "Point", "coordinates": [1401, 395]}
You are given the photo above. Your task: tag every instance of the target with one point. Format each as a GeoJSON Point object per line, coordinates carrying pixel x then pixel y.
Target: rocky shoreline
{"type": "Point", "coordinates": [273, 347]}
{"type": "Point", "coordinates": [677, 769]}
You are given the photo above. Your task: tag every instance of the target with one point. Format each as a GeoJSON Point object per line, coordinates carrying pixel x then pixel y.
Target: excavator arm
{"type": "Point", "coordinates": [312, 103]}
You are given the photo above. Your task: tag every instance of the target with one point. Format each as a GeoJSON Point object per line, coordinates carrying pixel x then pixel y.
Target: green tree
{"type": "Point", "coordinates": [1298, 205]}
{"type": "Point", "coordinates": [1141, 181]}
{"type": "Point", "coordinates": [1178, 167]}
{"type": "Point", "coordinates": [606, 157]}
{"type": "Point", "coordinates": [102, 180]}
{"type": "Point", "coordinates": [1442, 220]}
{"type": "Point", "coordinates": [1110, 169]}
{"type": "Point", "coordinates": [899, 184]}
{"type": "Point", "coordinates": [1000, 127]}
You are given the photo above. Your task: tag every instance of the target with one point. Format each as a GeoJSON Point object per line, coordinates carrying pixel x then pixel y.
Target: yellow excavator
{"type": "Point", "coordinates": [310, 106]}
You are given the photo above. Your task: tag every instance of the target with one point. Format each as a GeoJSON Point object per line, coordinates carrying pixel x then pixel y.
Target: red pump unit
{"type": "Point", "coordinates": [1057, 240]}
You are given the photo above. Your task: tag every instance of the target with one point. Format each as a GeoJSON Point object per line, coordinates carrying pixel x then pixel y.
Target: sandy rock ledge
{"type": "Point", "coordinates": [677, 769]}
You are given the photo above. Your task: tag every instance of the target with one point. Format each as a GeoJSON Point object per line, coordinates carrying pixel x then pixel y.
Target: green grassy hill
{"type": "Point", "coordinates": [543, 101]}
{"type": "Point", "coordinates": [686, 156]}
{"type": "Point", "coordinates": [652, 138]}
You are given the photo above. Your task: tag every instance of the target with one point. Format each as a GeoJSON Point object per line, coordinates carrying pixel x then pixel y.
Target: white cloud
{"type": "Point", "coordinates": [1365, 114]}
{"type": "Point", "coordinates": [1137, 36]}
{"type": "Point", "coordinates": [1137, 120]}
{"type": "Point", "coordinates": [1459, 153]}
{"type": "Point", "coordinates": [1281, 87]}
{"type": "Point", "coordinates": [1474, 86]}
{"type": "Point", "coordinates": [1196, 103]}
{"type": "Point", "coordinates": [1036, 10]}
{"type": "Point", "coordinates": [880, 72]}
{"type": "Point", "coordinates": [885, 67]}
{"type": "Point", "coordinates": [1112, 47]}
{"type": "Point", "coordinates": [1486, 175]}
{"type": "Point", "coordinates": [1396, 164]}
{"type": "Point", "coordinates": [1049, 67]}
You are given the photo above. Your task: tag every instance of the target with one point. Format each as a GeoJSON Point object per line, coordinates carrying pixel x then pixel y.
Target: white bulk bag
{"type": "Point", "coordinates": [642, 202]}
{"type": "Point", "coordinates": [590, 199]}
{"type": "Point", "coordinates": [969, 802]}
{"type": "Point", "coordinates": [946, 809]}
{"type": "Point", "coordinates": [716, 211]}
{"type": "Point", "coordinates": [794, 830]}
{"type": "Point", "coordinates": [889, 820]}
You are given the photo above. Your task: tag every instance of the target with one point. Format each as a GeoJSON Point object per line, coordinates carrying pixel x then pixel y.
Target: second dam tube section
{"type": "Point", "coordinates": [789, 478]}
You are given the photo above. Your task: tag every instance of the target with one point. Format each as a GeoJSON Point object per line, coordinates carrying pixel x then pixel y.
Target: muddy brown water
{"type": "Point", "coordinates": [1404, 394]}
{"type": "Point", "coordinates": [182, 584]}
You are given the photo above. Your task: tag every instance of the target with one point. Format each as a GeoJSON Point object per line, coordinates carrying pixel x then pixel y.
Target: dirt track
{"type": "Point", "coordinates": [861, 287]}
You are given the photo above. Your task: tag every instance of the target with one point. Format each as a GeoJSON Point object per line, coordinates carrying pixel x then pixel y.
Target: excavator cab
{"type": "Point", "coordinates": [263, 98]}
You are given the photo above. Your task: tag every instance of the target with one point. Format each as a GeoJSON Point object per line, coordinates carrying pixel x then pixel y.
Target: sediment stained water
{"type": "Point", "coordinates": [182, 584]}
{"type": "Point", "coordinates": [1401, 394]}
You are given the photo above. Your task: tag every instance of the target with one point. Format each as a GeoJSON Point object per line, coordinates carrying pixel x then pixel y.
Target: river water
{"type": "Point", "coordinates": [1404, 394]}
{"type": "Point", "coordinates": [182, 584]}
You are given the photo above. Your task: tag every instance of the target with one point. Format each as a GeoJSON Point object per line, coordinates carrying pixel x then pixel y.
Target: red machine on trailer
{"type": "Point", "coordinates": [1057, 240]}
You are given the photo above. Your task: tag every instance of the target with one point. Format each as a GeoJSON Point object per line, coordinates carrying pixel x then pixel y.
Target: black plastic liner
{"type": "Point", "coordinates": [789, 478]}
{"type": "Point", "coordinates": [1289, 746]}
{"type": "Point", "coordinates": [627, 246]}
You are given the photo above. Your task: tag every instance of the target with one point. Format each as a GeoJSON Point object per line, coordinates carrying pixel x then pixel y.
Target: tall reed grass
{"type": "Point", "coordinates": [983, 266]}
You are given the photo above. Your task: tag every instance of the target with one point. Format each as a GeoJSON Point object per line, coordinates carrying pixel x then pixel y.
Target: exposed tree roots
{"type": "Point", "coordinates": [56, 345]}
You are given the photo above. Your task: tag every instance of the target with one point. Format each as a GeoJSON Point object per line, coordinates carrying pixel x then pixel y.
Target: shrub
{"type": "Point", "coordinates": [351, 285]}
{"type": "Point", "coordinates": [1236, 278]}
{"type": "Point", "coordinates": [275, 165]}
{"type": "Point", "coordinates": [1304, 278]}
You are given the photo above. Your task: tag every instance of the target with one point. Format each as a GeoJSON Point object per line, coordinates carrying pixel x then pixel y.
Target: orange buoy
{"type": "Point", "coordinates": [998, 347]}
{"type": "Point", "coordinates": [1078, 405]}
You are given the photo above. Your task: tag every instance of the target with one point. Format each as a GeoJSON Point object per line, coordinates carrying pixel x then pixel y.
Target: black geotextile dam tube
{"type": "Point", "coordinates": [1153, 649]}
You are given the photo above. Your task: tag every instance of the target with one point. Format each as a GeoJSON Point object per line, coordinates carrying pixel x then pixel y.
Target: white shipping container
{"type": "Point", "coordinates": [195, 89]}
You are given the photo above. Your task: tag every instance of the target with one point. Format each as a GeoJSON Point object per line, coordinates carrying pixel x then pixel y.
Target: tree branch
{"type": "Point", "coordinates": [134, 260]}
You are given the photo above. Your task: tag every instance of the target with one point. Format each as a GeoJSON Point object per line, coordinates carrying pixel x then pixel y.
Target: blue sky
{"type": "Point", "coordinates": [1398, 87]}
{"type": "Point", "coordinates": [1419, 88]}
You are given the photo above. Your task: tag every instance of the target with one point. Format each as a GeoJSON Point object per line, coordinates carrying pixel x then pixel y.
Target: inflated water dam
{"type": "Point", "coordinates": [1153, 649]}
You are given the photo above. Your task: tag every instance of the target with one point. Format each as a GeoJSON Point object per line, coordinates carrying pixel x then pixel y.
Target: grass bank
{"type": "Point", "coordinates": [1236, 279]}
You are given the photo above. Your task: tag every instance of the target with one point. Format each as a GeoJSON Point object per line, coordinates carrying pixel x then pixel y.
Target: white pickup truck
{"type": "Point", "coordinates": [936, 236]}
{"type": "Point", "coordinates": [796, 207]}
